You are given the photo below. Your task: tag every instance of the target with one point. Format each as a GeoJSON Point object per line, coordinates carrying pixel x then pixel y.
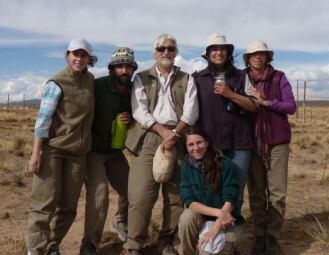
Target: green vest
{"type": "Point", "coordinates": [71, 127]}
{"type": "Point", "coordinates": [151, 83]}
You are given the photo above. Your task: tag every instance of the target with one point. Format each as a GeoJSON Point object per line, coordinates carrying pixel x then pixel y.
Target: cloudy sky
{"type": "Point", "coordinates": [34, 35]}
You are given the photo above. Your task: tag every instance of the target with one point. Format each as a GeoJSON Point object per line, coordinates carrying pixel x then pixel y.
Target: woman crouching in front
{"type": "Point", "coordinates": [209, 189]}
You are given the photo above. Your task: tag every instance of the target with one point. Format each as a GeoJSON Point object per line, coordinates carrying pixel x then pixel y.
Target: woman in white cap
{"type": "Point", "coordinates": [224, 107]}
{"type": "Point", "coordinates": [267, 181]}
{"type": "Point", "coordinates": [62, 139]}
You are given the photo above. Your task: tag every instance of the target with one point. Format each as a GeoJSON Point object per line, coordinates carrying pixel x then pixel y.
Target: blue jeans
{"type": "Point", "coordinates": [241, 160]}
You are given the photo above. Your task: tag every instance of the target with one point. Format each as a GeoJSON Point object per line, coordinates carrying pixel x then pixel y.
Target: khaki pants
{"type": "Point", "coordinates": [143, 192]}
{"type": "Point", "coordinates": [190, 224]}
{"type": "Point", "coordinates": [55, 191]}
{"type": "Point", "coordinates": [101, 169]}
{"type": "Point", "coordinates": [267, 191]}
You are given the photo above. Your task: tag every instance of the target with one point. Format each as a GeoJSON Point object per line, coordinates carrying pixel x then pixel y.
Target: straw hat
{"type": "Point", "coordinates": [256, 46]}
{"type": "Point", "coordinates": [217, 39]}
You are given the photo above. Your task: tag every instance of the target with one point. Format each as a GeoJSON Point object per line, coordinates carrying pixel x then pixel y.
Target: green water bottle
{"type": "Point", "coordinates": [119, 134]}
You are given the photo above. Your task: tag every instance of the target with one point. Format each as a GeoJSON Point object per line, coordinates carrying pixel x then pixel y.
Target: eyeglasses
{"type": "Point", "coordinates": [163, 48]}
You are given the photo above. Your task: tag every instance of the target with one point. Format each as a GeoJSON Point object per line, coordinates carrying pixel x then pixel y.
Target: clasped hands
{"type": "Point", "coordinates": [169, 139]}
{"type": "Point", "coordinates": [224, 220]}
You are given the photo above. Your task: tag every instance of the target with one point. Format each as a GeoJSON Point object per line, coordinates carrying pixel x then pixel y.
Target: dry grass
{"type": "Point", "coordinates": [17, 180]}
{"type": "Point", "coordinates": [18, 144]}
{"type": "Point", "coordinates": [15, 241]}
{"type": "Point", "coordinates": [320, 234]}
{"type": "Point", "coordinates": [305, 141]}
{"type": "Point", "coordinates": [298, 176]}
{"type": "Point", "coordinates": [324, 177]}
{"type": "Point", "coordinates": [5, 164]}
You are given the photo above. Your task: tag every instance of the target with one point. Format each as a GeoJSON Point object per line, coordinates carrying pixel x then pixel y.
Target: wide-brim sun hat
{"type": "Point", "coordinates": [257, 46]}
{"type": "Point", "coordinates": [123, 55]}
{"type": "Point", "coordinates": [217, 39]}
{"type": "Point", "coordinates": [80, 44]}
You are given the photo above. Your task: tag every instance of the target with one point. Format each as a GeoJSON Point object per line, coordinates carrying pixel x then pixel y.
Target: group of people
{"type": "Point", "coordinates": [227, 126]}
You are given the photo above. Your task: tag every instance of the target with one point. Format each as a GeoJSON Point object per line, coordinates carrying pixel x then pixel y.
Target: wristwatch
{"type": "Point", "coordinates": [176, 133]}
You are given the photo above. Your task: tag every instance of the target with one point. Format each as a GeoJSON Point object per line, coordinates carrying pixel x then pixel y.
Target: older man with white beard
{"type": "Point", "coordinates": [164, 103]}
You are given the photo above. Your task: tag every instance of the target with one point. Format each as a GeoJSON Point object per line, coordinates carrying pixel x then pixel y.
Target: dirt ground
{"type": "Point", "coordinates": [308, 191]}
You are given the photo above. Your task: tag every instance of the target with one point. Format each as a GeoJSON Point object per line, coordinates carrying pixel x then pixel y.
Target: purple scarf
{"type": "Point", "coordinates": [267, 85]}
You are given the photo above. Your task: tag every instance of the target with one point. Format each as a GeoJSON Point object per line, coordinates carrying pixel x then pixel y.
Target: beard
{"type": "Point", "coordinates": [123, 79]}
{"type": "Point", "coordinates": [166, 63]}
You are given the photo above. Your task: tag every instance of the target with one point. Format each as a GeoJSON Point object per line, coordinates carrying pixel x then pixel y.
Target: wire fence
{"type": "Point", "coordinates": [9, 104]}
{"type": "Point", "coordinates": [313, 104]}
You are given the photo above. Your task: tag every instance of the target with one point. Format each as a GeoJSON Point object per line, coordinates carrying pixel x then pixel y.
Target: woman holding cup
{"type": "Point", "coordinates": [224, 108]}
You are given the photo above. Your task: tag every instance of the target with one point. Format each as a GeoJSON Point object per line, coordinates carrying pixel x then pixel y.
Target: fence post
{"type": "Point", "coordinates": [297, 99]}
{"type": "Point", "coordinates": [23, 101]}
{"type": "Point", "coordinates": [311, 113]}
{"type": "Point", "coordinates": [8, 103]}
{"type": "Point", "coordinates": [304, 102]}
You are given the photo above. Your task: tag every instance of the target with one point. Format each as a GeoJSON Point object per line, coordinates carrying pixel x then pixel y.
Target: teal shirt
{"type": "Point", "coordinates": [108, 104]}
{"type": "Point", "coordinates": [193, 187]}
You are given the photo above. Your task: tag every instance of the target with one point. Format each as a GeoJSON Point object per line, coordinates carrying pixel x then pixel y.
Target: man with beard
{"type": "Point", "coordinates": [107, 164]}
{"type": "Point", "coordinates": [164, 103]}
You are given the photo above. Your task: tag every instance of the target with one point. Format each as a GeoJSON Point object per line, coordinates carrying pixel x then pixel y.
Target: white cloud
{"type": "Point", "coordinates": [317, 81]}
{"type": "Point", "coordinates": [194, 64]}
{"type": "Point", "coordinates": [317, 77]}
{"type": "Point", "coordinates": [298, 25]}
{"type": "Point", "coordinates": [28, 85]}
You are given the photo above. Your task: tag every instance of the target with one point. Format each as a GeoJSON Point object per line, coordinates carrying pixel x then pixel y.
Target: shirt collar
{"type": "Point", "coordinates": [160, 74]}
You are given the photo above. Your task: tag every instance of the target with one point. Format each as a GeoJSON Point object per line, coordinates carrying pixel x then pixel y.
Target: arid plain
{"type": "Point", "coordinates": [307, 202]}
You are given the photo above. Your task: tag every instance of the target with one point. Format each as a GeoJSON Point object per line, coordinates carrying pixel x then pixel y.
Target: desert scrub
{"type": "Point", "coordinates": [320, 233]}
{"type": "Point", "coordinates": [324, 177]}
{"type": "Point", "coordinates": [4, 164]}
{"type": "Point", "coordinates": [304, 141]}
{"type": "Point", "coordinates": [18, 144]}
{"type": "Point", "coordinates": [14, 240]}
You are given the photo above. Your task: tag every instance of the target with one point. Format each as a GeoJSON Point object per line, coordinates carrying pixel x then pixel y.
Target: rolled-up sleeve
{"type": "Point", "coordinates": [139, 104]}
{"type": "Point", "coordinates": [287, 104]}
{"type": "Point", "coordinates": [50, 97]}
{"type": "Point", "coordinates": [191, 106]}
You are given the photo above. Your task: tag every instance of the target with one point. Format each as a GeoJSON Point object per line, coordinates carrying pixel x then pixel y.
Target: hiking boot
{"type": "Point", "coordinates": [169, 249]}
{"type": "Point", "coordinates": [54, 250]}
{"type": "Point", "coordinates": [120, 229]}
{"type": "Point", "coordinates": [87, 248]}
{"type": "Point", "coordinates": [273, 247]}
{"type": "Point", "coordinates": [134, 252]}
{"type": "Point", "coordinates": [259, 245]}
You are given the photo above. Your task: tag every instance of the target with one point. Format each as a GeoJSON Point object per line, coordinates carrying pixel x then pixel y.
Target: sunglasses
{"type": "Point", "coordinates": [163, 48]}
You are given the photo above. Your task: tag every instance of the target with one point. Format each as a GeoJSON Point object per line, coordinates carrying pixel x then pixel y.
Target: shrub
{"type": "Point", "coordinates": [320, 233]}
{"type": "Point", "coordinates": [18, 144]}
{"type": "Point", "coordinates": [15, 243]}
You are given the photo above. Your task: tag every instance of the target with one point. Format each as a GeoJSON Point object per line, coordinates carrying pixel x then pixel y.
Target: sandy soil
{"type": "Point", "coordinates": [308, 193]}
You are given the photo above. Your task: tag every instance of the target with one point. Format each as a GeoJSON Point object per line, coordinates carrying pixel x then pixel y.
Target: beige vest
{"type": "Point", "coordinates": [151, 83]}
{"type": "Point", "coordinates": [71, 127]}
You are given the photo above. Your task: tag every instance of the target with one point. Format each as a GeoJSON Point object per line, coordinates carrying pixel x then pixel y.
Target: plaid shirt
{"type": "Point", "coordinates": [50, 97]}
